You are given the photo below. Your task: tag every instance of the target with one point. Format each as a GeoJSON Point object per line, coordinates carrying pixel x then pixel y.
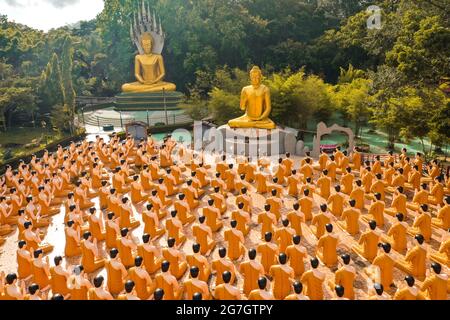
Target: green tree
{"type": "Point", "coordinates": [196, 109]}
{"type": "Point", "coordinates": [51, 91]}
{"type": "Point", "coordinates": [16, 100]}
{"type": "Point", "coordinates": [347, 76]}
{"type": "Point", "coordinates": [61, 118]}
{"type": "Point", "coordinates": [66, 75]}
{"type": "Point", "coordinates": [6, 71]}
{"type": "Point", "coordinates": [354, 100]}
{"type": "Point", "coordinates": [416, 113]}
{"type": "Point", "coordinates": [386, 112]}
{"type": "Point", "coordinates": [440, 125]}
{"type": "Point", "coordinates": [421, 51]}
{"type": "Point", "coordinates": [296, 98]}
{"type": "Point", "coordinates": [114, 26]}
{"type": "Point", "coordinates": [225, 96]}
{"type": "Point", "coordinates": [344, 8]}
{"type": "Point", "coordinates": [387, 73]}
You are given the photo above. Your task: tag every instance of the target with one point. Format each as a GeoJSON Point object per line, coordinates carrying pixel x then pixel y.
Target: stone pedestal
{"type": "Point", "coordinates": [253, 142]}
{"type": "Point", "coordinates": [300, 148]}
{"type": "Point", "coordinates": [142, 101]}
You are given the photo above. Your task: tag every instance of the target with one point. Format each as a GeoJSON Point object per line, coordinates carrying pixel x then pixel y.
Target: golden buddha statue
{"type": "Point", "coordinates": [149, 70]}
{"type": "Point", "coordinates": [255, 100]}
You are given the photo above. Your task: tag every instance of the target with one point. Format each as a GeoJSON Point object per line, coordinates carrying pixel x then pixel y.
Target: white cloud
{"type": "Point", "coordinates": [48, 14]}
{"type": "Point", "coordinates": [62, 3]}
{"type": "Point", "coordinates": [14, 3]}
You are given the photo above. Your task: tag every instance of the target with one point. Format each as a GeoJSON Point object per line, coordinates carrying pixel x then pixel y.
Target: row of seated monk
{"type": "Point", "coordinates": [136, 283]}
{"type": "Point", "coordinates": [327, 257]}
{"type": "Point", "coordinates": [423, 222]}
{"type": "Point", "coordinates": [229, 182]}
{"type": "Point", "coordinates": [199, 178]}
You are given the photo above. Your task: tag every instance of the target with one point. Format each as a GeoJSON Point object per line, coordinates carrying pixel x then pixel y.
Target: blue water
{"type": "Point", "coordinates": [185, 136]}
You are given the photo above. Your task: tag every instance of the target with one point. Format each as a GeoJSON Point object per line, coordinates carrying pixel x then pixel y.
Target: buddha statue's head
{"type": "Point", "coordinates": [147, 42]}
{"type": "Point", "coordinates": [256, 76]}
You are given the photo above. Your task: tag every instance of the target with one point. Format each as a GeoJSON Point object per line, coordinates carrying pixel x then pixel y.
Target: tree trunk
{"type": "Point", "coordinates": [391, 140]}
{"type": "Point", "coordinates": [423, 148]}
{"type": "Point", "coordinates": [357, 127]}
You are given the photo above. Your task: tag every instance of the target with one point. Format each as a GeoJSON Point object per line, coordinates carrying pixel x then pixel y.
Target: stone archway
{"type": "Point", "coordinates": [322, 130]}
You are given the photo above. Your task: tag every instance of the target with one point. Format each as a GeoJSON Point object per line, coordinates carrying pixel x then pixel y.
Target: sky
{"type": "Point", "coordinates": [48, 14]}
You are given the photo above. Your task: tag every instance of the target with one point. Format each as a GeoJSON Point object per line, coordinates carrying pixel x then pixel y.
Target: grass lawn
{"type": "Point", "coordinates": [20, 137]}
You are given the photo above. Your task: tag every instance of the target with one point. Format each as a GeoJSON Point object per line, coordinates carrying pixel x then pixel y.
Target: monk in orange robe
{"type": "Point", "coordinates": [235, 240]}
{"type": "Point", "coordinates": [283, 276]}
{"type": "Point", "coordinates": [222, 264]}
{"type": "Point", "coordinates": [296, 254]}
{"type": "Point", "coordinates": [204, 236]}
{"type": "Point", "coordinates": [251, 271]}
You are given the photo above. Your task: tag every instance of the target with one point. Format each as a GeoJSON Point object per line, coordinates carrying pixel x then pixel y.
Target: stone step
{"type": "Point", "coordinates": [153, 100]}
{"type": "Point", "coordinates": [93, 120]}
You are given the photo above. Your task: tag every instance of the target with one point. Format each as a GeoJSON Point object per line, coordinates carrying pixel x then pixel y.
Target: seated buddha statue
{"type": "Point", "coordinates": [149, 70]}
{"type": "Point", "coordinates": [255, 100]}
